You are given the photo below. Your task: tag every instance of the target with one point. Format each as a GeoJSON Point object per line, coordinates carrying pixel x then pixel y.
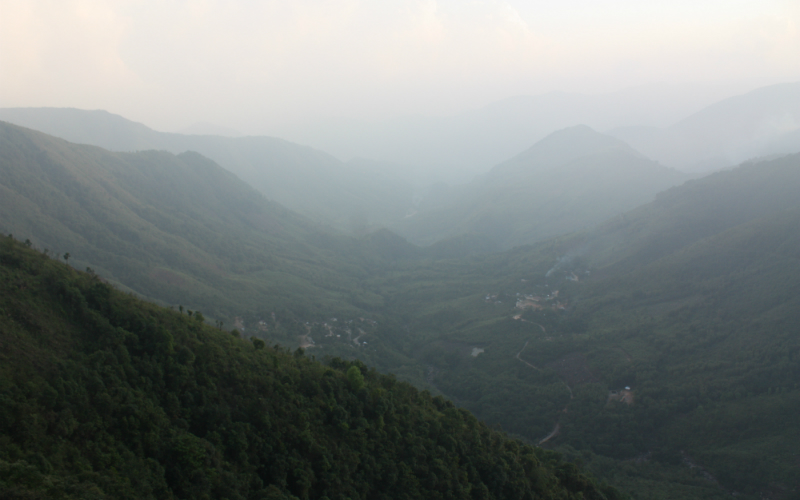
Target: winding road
{"type": "Point", "coordinates": [557, 428]}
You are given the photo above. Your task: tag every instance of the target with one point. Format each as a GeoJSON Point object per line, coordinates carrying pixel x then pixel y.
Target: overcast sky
{"type": "Point", "coordinates": [253, 65]}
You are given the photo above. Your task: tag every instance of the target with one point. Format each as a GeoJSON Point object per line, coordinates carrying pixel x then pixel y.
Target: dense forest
{"type": "Point", "coordinates": [107, 396]}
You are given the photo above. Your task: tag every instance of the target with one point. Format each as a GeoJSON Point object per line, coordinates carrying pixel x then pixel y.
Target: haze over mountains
{"type": "Point", "coordinates": [534, 203]}
{"type": "Point", "coordinates": [178, 229]}
{"type": "Point", "coordinates": [762, 122]}
{"type": "Point", "coordinates": [689, 299]}
{"type": "Point", "coordinates": [309, 181]}
{"type": "Point", "coordinates": [569, 180]}
{"type": "Point", "coordinates": [443, 250]}
{"type": "Point", "coordinates": [455, 148]}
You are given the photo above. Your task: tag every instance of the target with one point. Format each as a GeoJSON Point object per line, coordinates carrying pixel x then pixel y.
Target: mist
{"type": "Point", "coordinates": [288, 69]}
{"type": "Point", "coordinates": [577, 222]}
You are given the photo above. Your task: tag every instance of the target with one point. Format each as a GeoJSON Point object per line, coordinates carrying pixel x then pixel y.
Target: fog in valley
{"type": "Point", "coordinates": [401, 249]}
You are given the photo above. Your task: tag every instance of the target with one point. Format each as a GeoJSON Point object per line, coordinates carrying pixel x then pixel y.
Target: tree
{"type": "Point", "coordinates": [355, 377]}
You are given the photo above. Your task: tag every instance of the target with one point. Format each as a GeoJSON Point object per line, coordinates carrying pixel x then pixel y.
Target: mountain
{"type": "Point", "coordinates": [570, 180]}
{"type": "Point", "coordinates": [660, 347]}
{"type": "Point", "coordinates": [454, 148]}
{"type": "Point", "coordinates": [176, 228]}
{"type": "Point", "coordinates": [699, 209]}
{"type": "Point", "coordinates": [106, 396]}
{"type": "Point", "coordinates": [725, 133]}
{"type": "Point", "coordinates": [306, 180]}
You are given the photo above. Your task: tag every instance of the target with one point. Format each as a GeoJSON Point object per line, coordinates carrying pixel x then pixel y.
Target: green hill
{"type": "Point", "coordinates": [571, 180]}
{"type": "Point", "coordinates": [690, 301]}
{"type": "Point", "coordinates": [308, 181]}
{"type": "Point", "coordinates": [106, 396]}
{"type": "Point", "coordinates": [178, 229]}
{"type": "Point", "coordinates": [699, 209]}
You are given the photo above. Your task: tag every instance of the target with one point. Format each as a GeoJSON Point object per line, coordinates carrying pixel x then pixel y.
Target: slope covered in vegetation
{"type": "Point", "coordinates": [690, 301]}
{"type": "Point", "coordinates": [568, 181]}
{"type": "Point", "coordinates": [177, 229]}
{"type": "Point", "coordinates": [106, 396]}
{"type": "Point", "coordinates": [307, 180]}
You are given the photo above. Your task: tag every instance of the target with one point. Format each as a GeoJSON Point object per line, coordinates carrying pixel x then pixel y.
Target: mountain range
{"type": "Point", "coordinates": [665, 337]}
{"type": "Point", "coordinates": [654, 344]}
{"type": "Point", "coordinates": [363, 194]}
{"type": "Point", "coordinates": [175, 228]}
{"type": "Point", "coordinates": [570, 180]}
{"type": "Point", "coordinates": [311, 182]}
{"type": "Point", "coordinates": [453, 148]}
{"type": "Point", "coordinates": [758, 123]}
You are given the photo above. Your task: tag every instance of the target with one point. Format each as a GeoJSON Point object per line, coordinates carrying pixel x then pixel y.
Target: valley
{"type": "Point", "coordinates": [592, 303]}
{"type": "Point", "coordinates": [426, 250]}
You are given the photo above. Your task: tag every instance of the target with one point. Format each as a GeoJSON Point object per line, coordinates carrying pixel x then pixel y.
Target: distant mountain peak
{"type": "Point", "coordinates": [564, 146]}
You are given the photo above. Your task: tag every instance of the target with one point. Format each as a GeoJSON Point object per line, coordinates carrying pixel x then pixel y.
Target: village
{"type": "Point", "coordinates": [313, 334]}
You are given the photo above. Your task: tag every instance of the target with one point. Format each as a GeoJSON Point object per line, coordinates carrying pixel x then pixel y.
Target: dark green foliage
{"type": "Point", "coordinates": [106, 396]}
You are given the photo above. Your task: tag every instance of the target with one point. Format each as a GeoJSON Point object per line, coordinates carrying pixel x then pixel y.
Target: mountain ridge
{"type": "Point", "coordinates": [302, 178]}
{"type": "Point", "coordinates": [725, 133]}
{"type": "Point", "coordinates": [554, 187]}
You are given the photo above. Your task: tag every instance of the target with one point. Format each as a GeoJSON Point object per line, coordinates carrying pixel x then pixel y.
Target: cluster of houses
{"type": "Point", "coordinates": [538, 303]}
{"type": "Point", "coordinates": [333, 328]}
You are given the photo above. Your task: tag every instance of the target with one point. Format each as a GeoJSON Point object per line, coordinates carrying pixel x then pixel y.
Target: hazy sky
{"type": "Point", "coordinates": [256, 64]}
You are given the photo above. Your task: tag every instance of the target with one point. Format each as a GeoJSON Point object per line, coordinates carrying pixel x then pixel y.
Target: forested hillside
{"type": "Point", "coordinates": [661, 348]}
{"type": "Point", "coordinates": [178, 229]}
{"type": "Point", "coordinates": [658, 348]}
{"type": "Point", "coordinates": [349, 196]}
{"type": "Point", "coordinates": [570, 180]}
{"type": "Point", "coordinates": [106, 396]}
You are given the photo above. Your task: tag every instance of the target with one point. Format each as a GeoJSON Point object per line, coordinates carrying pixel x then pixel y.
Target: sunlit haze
{"type": "Point", "coordinates": [260, 66]}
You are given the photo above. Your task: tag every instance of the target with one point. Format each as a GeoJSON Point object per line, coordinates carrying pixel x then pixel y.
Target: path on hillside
{"type": "Point", "coordinates": [554, 433]}
{"type": "Point", "coordinates": [557, 428]}
{"type": "Point", "coordinates": [520, 352]}
{"type": "Point", "coordinates": [520, 318]}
